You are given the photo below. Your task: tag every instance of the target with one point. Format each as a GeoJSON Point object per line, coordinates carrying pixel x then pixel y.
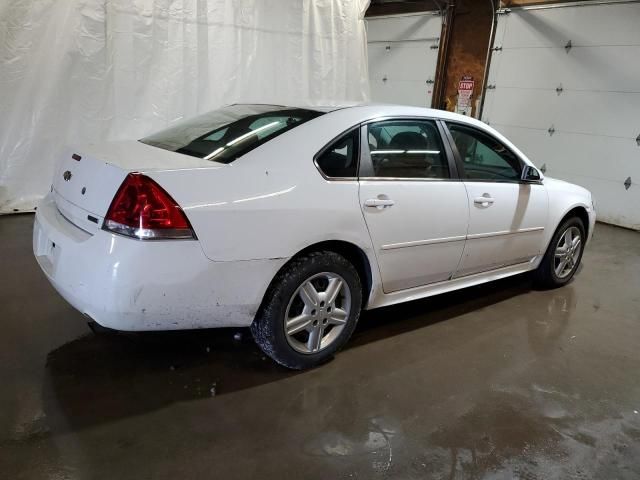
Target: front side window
{"type": "Point", "coordinates": [407, 149]}
{"type": "Point", "coordinates": [340, 160]}
{"type": "Point", "coordinates": [483, 157]}
{"type": "Point", "coordinates": [229, 132]}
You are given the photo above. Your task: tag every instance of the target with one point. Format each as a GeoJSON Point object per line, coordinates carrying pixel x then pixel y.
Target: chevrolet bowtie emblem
{"type": "Point", "coordinates": [67, 176]}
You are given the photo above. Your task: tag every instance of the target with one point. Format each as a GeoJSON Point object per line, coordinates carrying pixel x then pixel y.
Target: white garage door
{"type": "Point", "coordinates": [403, 53]}
{"type": "Point", "coordinates": [567, 92]}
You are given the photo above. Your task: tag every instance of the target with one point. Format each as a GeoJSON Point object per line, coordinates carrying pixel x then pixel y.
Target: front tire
{"type": "Point", "coordinates": [563, 256]}
{"type": "Point", "coordinates": [310, 310]}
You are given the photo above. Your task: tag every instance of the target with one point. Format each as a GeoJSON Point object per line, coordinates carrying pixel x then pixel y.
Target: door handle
{"type": "Point", "coordinates": [484, 200]}
{"type": "Point", "coordinates": [379, 203]}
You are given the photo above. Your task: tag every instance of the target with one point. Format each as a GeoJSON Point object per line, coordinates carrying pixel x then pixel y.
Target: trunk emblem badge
{"type": "Point", "coordinates": [67, 176]}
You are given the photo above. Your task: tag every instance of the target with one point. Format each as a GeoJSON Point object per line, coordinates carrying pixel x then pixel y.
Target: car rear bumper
{"type": "Point", "coordinates": [134, 285]}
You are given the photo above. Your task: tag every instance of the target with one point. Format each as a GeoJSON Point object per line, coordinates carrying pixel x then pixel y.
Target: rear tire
{"type": "Point", "coordinates": [309, 311]}
{"type": "Point", "coordinates": [563, 256]}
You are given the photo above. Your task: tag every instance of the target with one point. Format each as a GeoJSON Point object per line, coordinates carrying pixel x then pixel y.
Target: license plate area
{"type": "Point", "coordinates": [46, 250]}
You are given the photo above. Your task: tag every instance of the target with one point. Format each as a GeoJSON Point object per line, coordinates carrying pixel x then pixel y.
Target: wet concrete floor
{"type": "Point", "coordinates": [499, 381]}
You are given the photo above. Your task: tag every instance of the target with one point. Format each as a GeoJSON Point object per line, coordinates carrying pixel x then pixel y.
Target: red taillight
{"type": "Point", "coordinates": [142, 209]}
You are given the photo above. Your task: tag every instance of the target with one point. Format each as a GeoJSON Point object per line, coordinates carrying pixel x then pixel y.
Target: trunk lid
{"type": "Point", "coordinates": [87, 177]}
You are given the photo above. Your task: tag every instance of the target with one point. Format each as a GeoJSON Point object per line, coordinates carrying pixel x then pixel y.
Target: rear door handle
{"type": "Point", "coordinates": [379, 203]}
{"type": "Point", "coordinates": [484, 200]}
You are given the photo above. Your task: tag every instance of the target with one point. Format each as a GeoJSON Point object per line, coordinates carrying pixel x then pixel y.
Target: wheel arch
{"type": "Point", "coordinates": [577, 211]}
{"type": "Point", "coordinates": [352, 252]}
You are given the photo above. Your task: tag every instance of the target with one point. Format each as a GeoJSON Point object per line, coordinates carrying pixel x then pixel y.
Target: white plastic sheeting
{"type": "Point", "coordinates": [92, 70]}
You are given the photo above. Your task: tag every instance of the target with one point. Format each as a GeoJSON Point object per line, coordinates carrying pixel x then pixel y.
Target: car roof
{"type": "Point", "coordinates": [317, 108]}
{"type": "Point", "coordinates": [371, 109]}
{"type": "Point", "coordinates": [364, 112]}
{"type": "Point", "coordinates": [376, 109]}
{"type": "Point", "coordinates": [349, 114]}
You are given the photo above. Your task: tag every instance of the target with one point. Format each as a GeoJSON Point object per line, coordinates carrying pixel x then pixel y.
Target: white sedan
{"type": "Point", "coordinates": [293, 220]}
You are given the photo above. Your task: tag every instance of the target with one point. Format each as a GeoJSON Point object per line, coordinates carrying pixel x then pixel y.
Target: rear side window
{"type": "Point", "coordinates": [340, 159]}
{"type": "Point", "coordinates": [230, 132]}
{"type": "Point", "coordinates": [407, 149]}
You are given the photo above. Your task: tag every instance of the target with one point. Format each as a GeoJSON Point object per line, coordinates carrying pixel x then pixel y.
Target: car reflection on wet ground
{"type": "Point", "coordinates": [498, 381]}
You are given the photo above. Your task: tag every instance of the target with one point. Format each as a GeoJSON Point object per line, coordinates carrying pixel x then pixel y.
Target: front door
{"type": "Point", "coordinates": [415, 210]}
{"type": "Point", "coordinates": [506, 217]}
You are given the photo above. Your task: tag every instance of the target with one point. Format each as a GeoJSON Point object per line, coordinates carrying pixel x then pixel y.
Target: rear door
{"type": "Point", "coordinates": [413, 203]}
{"type": "Point", "coordinates": [506, 217]}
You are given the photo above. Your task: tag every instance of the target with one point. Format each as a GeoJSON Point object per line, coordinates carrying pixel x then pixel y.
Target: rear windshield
{"type": "Point", "coordinates": [229, 132]}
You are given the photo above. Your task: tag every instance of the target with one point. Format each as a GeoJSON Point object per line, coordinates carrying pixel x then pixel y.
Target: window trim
{"type": "Point", "coordinates": [329, 144]}
{"type": "Point", "coordinates": [460, 163]}
{"type": "Point", "coordinates": [365, 155]}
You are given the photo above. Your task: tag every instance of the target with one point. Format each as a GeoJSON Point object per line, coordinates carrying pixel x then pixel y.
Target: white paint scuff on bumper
{"type": "Point", "coordinates": [134, 285]}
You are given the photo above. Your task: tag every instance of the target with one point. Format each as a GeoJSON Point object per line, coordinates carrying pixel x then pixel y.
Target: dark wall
{"type": "Point", "coordinates": [378, 7]}
{"type": "Point", "coordinates": [467, 50]}
{"type": "Point", "coordinates": [464, 41]}
{"type": "Point", "coordinates": [469, 22]}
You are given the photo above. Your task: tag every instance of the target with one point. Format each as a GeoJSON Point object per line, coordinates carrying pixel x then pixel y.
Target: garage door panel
{"type": "Point", "coordinates": [611, 114]}
{"type": "Point", "coordinates": [593, 68]}
{"type": "Point", "coordinates": [401, 92]}
{"type": "Point", "coordinates": [532, 142]}
{"type": "Point", "coordinates": [404, 60]}
{"type": "Point", "coordinates": [613, 68]}
{"type": "Point", "coordinates": [496, 58]}
{"type": "Point", "coordinates": [614, 204]}
{"type": "Point", "coordinates": [593, 156]}
{"type": "Point", "coordinates": [521, 69]}
{"type": "Point", "coordinates": [590, 155]}
{"type": "Point", "coordinates": [589, 160]}
{"type": "Point", "coordinates": [595, 116]}
{"type": "Point", "coordinates": [583, 25]}
{"type": "Point", "coordinates": [412, 27]}
{"type": "Point", "coordinates": [526, 108]}
{"type": "Point", "coordinates": [584, 166]}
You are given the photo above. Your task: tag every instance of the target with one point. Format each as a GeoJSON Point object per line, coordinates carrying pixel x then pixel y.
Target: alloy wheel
{"type": "Point", "coordinates": [567, 252]}
{"type": "Point", "coordinates": [317, 312]}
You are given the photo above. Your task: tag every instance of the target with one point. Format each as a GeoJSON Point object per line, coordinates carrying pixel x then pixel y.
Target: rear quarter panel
{"type": "Point", "coordinates": [272, 202]}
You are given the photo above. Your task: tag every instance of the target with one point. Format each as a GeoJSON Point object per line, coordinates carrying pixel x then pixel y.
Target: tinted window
{"type": "Point", "coordinates": [228, 133]}
{"type": "Point", "coordinates": [407, 149]}
{"type": "Point", "coordinates": [341, 158]}
{"type": "Point", "coordinates": [483, 157]}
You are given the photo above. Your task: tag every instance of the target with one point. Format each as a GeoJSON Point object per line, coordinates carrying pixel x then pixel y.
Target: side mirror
{"type": "Point", "coordinates": [530, 174]}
